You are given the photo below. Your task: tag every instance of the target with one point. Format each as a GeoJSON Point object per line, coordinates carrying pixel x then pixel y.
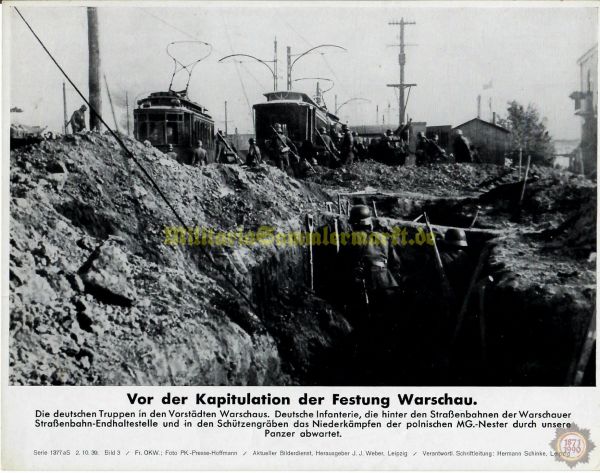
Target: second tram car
{"type": "Point", "coordinates": [299, 115]}
{"type": "Point", "coordinates": [170, 118]}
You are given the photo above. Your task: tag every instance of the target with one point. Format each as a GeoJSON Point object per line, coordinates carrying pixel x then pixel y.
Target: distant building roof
{"type": "Point", "coordinates": [377, 129]}
{"type": "Point", "coordinates": [370, 129]}
{"type": "Point", "coordinates": [501, 128]}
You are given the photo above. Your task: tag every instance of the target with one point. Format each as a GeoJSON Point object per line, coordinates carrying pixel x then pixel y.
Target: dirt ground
{"type": "Point", "coordinates": [97, 297]}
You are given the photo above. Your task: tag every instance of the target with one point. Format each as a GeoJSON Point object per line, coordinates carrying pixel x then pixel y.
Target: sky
{"type": "Point", "coordinates": [528, 54]}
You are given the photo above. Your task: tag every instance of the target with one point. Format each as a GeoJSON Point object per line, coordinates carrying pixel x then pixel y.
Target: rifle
{"type": "Point", "coordinates": [229, 148]}
{"type": "Point", "coordinates": [334, 154]}
{"type": "Point", "coordinates": [446, 289]}
{"type": "Point", "coordinates": [311, 227]}
{"type": "Point", "coordinates": [294, 154]}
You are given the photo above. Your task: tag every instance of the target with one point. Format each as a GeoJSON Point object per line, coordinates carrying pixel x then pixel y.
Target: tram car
{"type": "Point", "coordinates": [298, 114]}
{"type": "Point", "coordinates": [170, 118]}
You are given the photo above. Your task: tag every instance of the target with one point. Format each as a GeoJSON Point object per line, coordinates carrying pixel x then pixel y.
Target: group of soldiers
{"type": "Point", "coordinates": [394, 297]}
{"type": "Point", "coordinates": [370, 268]}
{"type": "Point", "coordinates": [332, 149]}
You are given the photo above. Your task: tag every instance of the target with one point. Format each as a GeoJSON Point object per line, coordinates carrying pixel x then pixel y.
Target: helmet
{"type": "Point", "coordinates": [360, 215]}
{"type": "Point", "coordinates": [278, 127]}
{"type": "Point", "coordinates": [456, 237]}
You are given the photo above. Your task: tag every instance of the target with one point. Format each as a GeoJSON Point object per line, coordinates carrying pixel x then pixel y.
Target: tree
{"type": "Point", "coordinates": [528, 132]}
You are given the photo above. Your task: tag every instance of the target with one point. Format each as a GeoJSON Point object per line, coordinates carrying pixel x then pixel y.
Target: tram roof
{"type": "Point", "coordinates": [287, 96]}
{"type": "Point", "coordinates": [163, 100]}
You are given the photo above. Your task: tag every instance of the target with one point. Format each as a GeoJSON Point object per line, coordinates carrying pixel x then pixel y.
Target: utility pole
{"type": "Point", "coordinates": [64, 109]}
{"type": "Point", "coordinates": [95, 94]}
{"type": "Point", "coordinates": [112, 108]}
{"type": "Point", "coordinates": [402, 61]}
{"type": "Point", "coordinates": [289, 68]}
{"type": "Point", "coordinates": [127, 107]}
{"type": "Point", "coordinates": [318, 94]}
{"type": "Point", "coordinates": [275, 66]}
{"type": "Point", "coordinates": [377, 115]}
{"type": "Point", "coordinates": [335, 104]}
{"type": "Point", "coordinates": [225, 117]}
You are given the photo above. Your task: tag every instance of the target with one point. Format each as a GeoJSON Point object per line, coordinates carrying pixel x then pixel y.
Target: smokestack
{"type": "Point", "coordinates": [494, 118]}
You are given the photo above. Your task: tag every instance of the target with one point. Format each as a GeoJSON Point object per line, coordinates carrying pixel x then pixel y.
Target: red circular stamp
{"type": "Point", "coordinates": [572, 445]}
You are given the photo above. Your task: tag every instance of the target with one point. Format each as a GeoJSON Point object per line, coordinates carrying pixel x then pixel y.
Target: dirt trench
{"type": "Point", "coordinates": [98, 298]}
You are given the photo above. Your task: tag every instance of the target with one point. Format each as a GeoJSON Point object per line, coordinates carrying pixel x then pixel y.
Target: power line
{"type": "Point", "coordinates": [237, 68]}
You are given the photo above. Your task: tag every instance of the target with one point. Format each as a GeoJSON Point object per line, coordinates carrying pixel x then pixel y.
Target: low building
{"type": "Point", "coordinates": [491, 140]}
{"type": "Point", "coordinates": [443, 132]}
{"type": "Point", "coordinates": [586, 107]}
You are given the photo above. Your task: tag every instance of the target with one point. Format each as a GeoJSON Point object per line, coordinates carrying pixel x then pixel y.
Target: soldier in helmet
{"type": "Point", "coordinates": [456, 261]}
{"type": "Point", "coordinates": [77, 120]}
{"type": "Point", "coordinates": [368, 257]}
{"type": "Point", "coordinates": [280, 147]}
{"type": "Point", "coordinates": [347, 146]}
{"type": "Point", "coordinates": [328, 153]}
{"type": "Point", "coordinates": [253, 157]}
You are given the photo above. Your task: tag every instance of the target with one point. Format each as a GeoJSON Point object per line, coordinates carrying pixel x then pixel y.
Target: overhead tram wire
{"type": "Point", "coordinates": [132, 156]}
{"type": "Point", "coordinates": [308, 43]}
{"type": "Point", "coordinates": [237, 69]}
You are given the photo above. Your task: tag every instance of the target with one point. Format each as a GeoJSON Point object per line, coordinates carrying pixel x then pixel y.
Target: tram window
{"type": "Point", "coordinates": [156, 117]}
{"type": "Point", "coordinates": [156, 132]}
{"type": "Point", "coordinates": [174, 117]}
{"type": "Point", "coordinates": [172, 133]}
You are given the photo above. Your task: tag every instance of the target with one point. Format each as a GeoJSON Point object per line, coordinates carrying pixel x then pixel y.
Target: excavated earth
{"type": "Point", "coordinates": [99, 295]}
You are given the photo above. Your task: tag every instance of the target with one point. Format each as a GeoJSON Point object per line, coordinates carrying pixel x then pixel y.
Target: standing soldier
{"type": "Point", "coordinates": [456, 261]}
{"type": "Point", "coordinates": [253, 157]}
{"type": "Point", "coordinates": [347, 146]}
{"type": "Point", "coordinates": [462, 148]}
{"type": "Point", "coordinates": [77, 120]}
{"type": "Point", "coordinates": [199, 155]}
{"type": "Point", "coordinates": [171, 153]}
{"type": "Point", "coordinates": [329, 151]}
{"type": "Point", "coordinates": [280, 149]}
{"type": "Point", "coordinates": [368, 257]}
{"type": "Point", "coordinates": [422, 150]}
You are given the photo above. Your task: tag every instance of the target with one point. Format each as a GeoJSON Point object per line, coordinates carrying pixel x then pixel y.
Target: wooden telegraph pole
{"type": "Point", "coordinates": [95, 96]}
{"type": "Point", "coordinates": [401, 86]}
{"type": "Point", "coordinates": [64, 109]}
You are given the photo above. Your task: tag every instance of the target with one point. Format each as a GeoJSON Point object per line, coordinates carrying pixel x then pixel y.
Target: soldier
{"type": "Point", "coordinates": [347, 146]}
{"type": "Point", "coordinates": [171, 152]}
{"type": "Point", "coordinates": [456, 261]}
{"type": "Point", "coordinates": [280, 149]}
{"type": "Point", "coordinates": [462, 150]}
{"type": "Point", "coordinates": [403, 132]}
{"type": "Point", "coordinates": [328, 151]}
{"type": "Point", "coordinates": [368, 257]}
{"type": "Point", "coordinates": [77, 120]}
{"type": "Point", "coordinates": [253, 157]}
{"type": "Point", "coordinates": [199, 155]}
{"type": "Point", "coordinates": [422, 151]}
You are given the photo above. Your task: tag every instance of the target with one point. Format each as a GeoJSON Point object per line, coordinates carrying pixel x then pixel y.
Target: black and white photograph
{"type": "Point", "coordinates": [301, 194]}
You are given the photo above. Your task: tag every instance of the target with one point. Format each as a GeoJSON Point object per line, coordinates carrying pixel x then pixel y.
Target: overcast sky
{"type": "Point", "coordinates": [529, 54]}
